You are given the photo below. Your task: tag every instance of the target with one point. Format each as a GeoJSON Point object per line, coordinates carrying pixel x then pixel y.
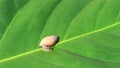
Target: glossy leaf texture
{"type": "Point", "coordinates": [88, 29]}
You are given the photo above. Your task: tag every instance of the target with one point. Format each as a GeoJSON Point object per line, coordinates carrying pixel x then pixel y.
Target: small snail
{"type": "Point", "coordinates": [48, 42]}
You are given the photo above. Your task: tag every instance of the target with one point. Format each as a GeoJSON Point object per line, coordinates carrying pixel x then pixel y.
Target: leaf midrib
{"type": "Point", "coordinates": [80, 13]}
{"type": "Point", "coordinates": [83, 35]}
{"type": "Point", "coordinates": [92, 32]}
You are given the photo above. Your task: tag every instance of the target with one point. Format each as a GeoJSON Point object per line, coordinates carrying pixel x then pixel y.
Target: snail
{"type": "Point", "coordinates": [48, 42]}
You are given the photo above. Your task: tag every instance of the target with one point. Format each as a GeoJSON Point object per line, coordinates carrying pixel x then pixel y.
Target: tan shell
{"type": "Point", "coordinates": [47, 42]}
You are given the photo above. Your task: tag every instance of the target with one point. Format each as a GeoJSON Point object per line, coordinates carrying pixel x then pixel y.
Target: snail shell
{"type": "Point", "coordinates": [48, 42]}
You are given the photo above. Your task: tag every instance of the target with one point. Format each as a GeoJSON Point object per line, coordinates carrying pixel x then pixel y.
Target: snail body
{"type": "Point", "coordinates": [48, 42]}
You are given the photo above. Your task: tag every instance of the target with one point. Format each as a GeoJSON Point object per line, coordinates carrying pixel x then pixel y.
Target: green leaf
{"type": "Point", "coordinates": [26, 27]}
{"type": "Point", "coordinates": [8, 8]}
{"type": "Point", "coordinates": [88, 29]}
{"type": "Point", "coordinates": [98, 41]}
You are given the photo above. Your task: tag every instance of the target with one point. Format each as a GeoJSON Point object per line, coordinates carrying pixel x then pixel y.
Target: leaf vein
{"type": "Point", "coordinates": [83, 35]}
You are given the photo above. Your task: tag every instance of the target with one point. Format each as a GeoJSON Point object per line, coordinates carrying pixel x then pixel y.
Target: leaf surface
{"type": "Point", "coordinates": [8, 9]}
{"type": "Point", "coordinates": [88, 29]}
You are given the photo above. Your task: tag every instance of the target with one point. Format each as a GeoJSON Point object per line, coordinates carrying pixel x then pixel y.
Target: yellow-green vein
{"type": "Point", "coordinates": [19, 55]}
{"type": "Point", "coordinates": [89, 33]}
{"type": "Point", "coordinates": [83, 35]}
